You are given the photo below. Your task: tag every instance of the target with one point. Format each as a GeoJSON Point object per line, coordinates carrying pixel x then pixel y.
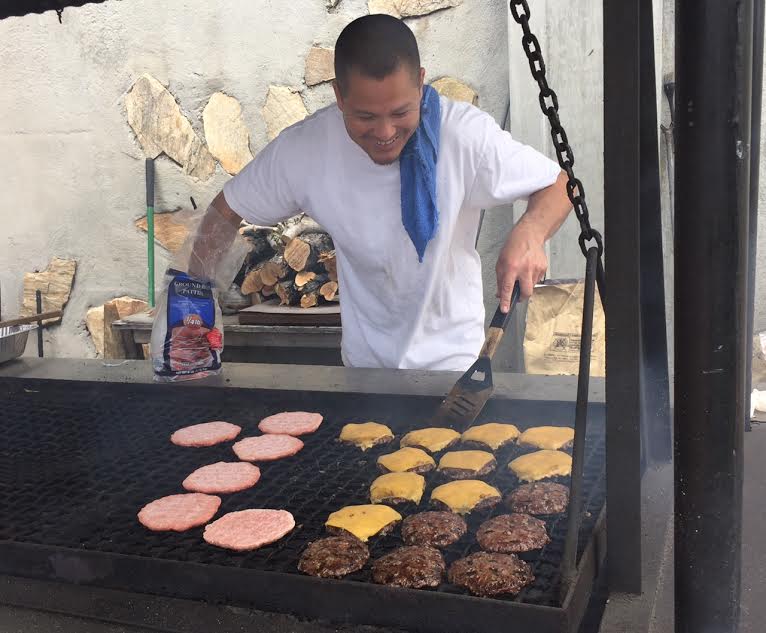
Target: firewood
{"type": "Point", "coordinates": [310, 291]}
{"type": "Point", "coordinates": [310, 299]}
{"type": "Point", "coordinates": [304, 277]}
{"type": "Point", "coordinates": [329, 291]}
{"type": "Point", "coordinates": [287, 293]}
{"type": "Point", "coordinates": [303, 252]}
{"type": "Point", "coordinates": [256, 299]}
{"type": "Point", "coordinates": [268, 291]}
{"type": "Point", "coordinates": [252, 282]}
{"type": "Point", "coordinates": [301, 224]}
{"type": "Point", "coordinates": [258, 239]}
{"type": "Point", "coordinates": [273, 270]}
{"type": "Point", "coordinates": [328, 261]}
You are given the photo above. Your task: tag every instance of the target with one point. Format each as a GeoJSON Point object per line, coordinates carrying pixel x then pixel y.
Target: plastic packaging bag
{"type": "Point", "coordinates": [187, 333]}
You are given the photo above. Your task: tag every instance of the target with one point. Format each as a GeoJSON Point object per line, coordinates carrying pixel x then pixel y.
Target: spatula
{"type": "Point", "coordinates": [467, 398]}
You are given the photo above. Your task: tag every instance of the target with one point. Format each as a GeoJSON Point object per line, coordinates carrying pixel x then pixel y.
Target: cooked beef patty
{"type": "Point", "coordinates": [334, 557]}
{"type": "Point", "coordinates": [437, 529]}
{"type": "Point", "coordinates": [411, 566]}
{"type": "Point", "coordinates": [510, 533]}
{"type": "Point", "coordinates": [486, 574]}
{"type": "Point", "coordinates": [540, 497]}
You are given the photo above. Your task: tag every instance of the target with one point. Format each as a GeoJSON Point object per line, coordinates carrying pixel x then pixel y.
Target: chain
{"type": "Point", "coordinates": [549, 104]}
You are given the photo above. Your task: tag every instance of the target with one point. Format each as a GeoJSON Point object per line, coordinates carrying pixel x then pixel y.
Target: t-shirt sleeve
{"type": "Point", "coordinates": [506, 170]}
{"type": "Point", "coordinates": [264, 192]}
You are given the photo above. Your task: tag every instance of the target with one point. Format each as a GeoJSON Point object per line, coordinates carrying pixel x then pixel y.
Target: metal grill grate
{"type": "Point", "coordinates": [78, 460]}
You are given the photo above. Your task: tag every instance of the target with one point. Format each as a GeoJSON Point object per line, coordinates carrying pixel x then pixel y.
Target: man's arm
{"type": "Point", "coordinates": [214, 236]}
{"type": "Point", "coordinates": [523, 257]}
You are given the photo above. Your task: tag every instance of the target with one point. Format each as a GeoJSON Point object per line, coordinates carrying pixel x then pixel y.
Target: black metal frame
{"type": "Point", "coordinates": [715, 146]}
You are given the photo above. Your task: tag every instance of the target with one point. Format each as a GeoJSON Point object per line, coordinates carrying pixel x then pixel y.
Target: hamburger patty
{"type": "Point", "coordinates": [291, 423]}
{"type": "Point", "coordinates": [410, 566]}
{"type": "Point", "coordinates": [334, 557]}
{"type": "Point", "coordinates": [249, 529]}
{"type": "Point", "coordinates": [206, 434]}
{"type": "Point", "coordinates": [486, 574]}
{"type": "Point", "coordinates": [267, 448]}
{"type": "Point", "coordinates": [179, 513]}
{"type": "Point", "coordinates": [509, 533]}
{"type": "Point", "coordinates": [222, 478]}
{"type": "Point", "coordinates": [540, 497]}
{"type": "Point", "coordinates": [434, 528]}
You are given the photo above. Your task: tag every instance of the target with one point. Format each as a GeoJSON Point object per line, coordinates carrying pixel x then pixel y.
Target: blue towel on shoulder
{"type": "Point", "coordinates": [417, 168]}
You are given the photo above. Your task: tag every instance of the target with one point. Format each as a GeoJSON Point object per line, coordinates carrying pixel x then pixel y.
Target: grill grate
{"type": "Point", "coordinates": [78, 460]}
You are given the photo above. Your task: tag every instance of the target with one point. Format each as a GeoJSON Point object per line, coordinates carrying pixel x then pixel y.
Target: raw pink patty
{"type": "Point", "coordinates": [223, 477]}
{"type": "Point", "coordinates": [206, 434]}
{"type": "Point", "coordinates": [266, 448]}
{"type": "Point", "coordinates": [179, 512]}
{"type": "Point", "coordinates": [249, 529]}
{"type": "Point", "coordinates": [291, 423]}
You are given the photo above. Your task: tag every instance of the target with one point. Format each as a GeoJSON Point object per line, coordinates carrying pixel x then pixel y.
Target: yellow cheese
{"type": "Point", "coordinates": [550, 437]}
{"type": "Point", "coordinates": [409, 486]}
{"type": "Point", "coordinates": [494, 435]}
{"type": "Point", "coordinates": [541, 464]}
{"type": "Point", "coordinates": [365, 435]}
{"type": "Point", "coordinates": [463, 496]}
{"type": "Point", "coordinates": [466, 460]}
{"type": "Point", "coordinates": [406, 459]}
{"type": "Point", "coordinates": [433, 439]}
{"type": "Point", "coordinates": [363, 521]}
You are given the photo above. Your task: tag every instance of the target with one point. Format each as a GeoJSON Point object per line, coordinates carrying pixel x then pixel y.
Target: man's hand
{"type": "Point", "coordinates": [523, 255]}
{"type": "Point", "coordinates": [522, 258]}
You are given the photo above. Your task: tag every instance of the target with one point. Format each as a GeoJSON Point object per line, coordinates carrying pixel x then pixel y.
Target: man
{"type": "Point", "coordinates": [410, 284]}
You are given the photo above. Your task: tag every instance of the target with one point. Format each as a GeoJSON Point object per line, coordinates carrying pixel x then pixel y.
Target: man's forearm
{"type": "Point", "coordinates": [546, 210]}
{"type": "Point", "coordinates": [213, 237]}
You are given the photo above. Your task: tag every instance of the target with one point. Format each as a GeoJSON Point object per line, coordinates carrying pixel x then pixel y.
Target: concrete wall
{"type": "Point", "coordinates": [73, 175]}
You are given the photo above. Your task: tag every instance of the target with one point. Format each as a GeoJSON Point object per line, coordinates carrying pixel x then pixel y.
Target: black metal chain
{"type": "Point", "coordinates": [549, 104]}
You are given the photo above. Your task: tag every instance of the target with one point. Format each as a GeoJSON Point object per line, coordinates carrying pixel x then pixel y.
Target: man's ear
{"type": "Point", "coordinates": [422, 77]}
{"type": "Point", "coordinates": [338, 94]}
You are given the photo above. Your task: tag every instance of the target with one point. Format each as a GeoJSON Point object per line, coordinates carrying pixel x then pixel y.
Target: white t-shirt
{"type": "Point", "coordinates": [396, 311]}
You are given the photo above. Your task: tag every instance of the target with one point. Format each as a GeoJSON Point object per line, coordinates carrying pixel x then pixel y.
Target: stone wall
{"type": "Point", "coordinates": [74, 188]}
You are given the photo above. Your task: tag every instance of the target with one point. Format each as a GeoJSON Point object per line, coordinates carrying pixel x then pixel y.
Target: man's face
{"type": "Point", "coordinates": [381, 114]}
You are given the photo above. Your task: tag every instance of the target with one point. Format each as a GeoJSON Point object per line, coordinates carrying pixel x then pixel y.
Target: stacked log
{"type": "Point", "coordinates": [293, 262]}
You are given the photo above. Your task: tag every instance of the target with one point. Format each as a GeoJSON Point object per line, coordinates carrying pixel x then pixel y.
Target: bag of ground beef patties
{"type": "Point", "coordinates": [187, 336]}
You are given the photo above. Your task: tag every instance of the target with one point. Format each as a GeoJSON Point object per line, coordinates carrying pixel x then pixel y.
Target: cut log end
{"type": "Point", "coordinates": [304, 277]}
{"type": "Point", "coordinates": [329, 291]}
{"type": "Point", "coordinates": [310, 300]}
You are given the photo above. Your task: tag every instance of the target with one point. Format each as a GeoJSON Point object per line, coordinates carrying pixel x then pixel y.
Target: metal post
{"type": "Point", "coordinates": [622, 253]}
{"type": "Point", "coordinates": [755, 154]}
{"type": "Point", "coordinates": [714, 74]}
{"type": "Point", "coordinates": [39, 304]}
{"type": "Point", "coordinates": [656, 426]}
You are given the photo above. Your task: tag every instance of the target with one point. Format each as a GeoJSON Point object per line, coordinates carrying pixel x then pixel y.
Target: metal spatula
{"type": "Point", "coordinates": [469, 395]}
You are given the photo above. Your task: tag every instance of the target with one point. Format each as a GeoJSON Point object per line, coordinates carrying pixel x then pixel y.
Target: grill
{"type": "Point", "coordinates": [78, 460]}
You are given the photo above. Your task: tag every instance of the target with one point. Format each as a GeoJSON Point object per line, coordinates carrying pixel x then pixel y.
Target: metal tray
{"type": "Point", "coordinates": [80, 459]}
{"type": "Point", "coordinates": [13, 341]}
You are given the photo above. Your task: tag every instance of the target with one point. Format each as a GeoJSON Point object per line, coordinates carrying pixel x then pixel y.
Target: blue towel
{"type": "Point", "coordinates": [417, 168]}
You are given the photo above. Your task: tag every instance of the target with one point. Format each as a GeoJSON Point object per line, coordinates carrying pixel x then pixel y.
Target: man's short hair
{"type": "Point", "coordinates": [375, 46]}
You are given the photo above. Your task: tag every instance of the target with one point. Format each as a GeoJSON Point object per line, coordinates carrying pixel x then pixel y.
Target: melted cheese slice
{"type": "Point", "coordinates": [494, 435]}
{"type": "Point", "coordinates": [433, 440]}
{"type": "Point", "coordinates": [466, 460]}
{"type": "Point", "coordinates": [405, 459]}
{"type": "Point", "coordinates": [363, 521]}
{"type": "Point", "coordinates": [463, 496]}
{"type": "Point", "coordinates": [550, 437]}
{"type": "Point", "coordinates": [365, 435]}
{"type": "Point", "coordinates": [541, 464]}
{"type": "Point", "coordinates": [409, 486]}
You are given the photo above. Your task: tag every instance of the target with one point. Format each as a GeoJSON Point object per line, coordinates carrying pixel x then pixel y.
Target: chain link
{"type": "Point", "coordinates": [549, 104]}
